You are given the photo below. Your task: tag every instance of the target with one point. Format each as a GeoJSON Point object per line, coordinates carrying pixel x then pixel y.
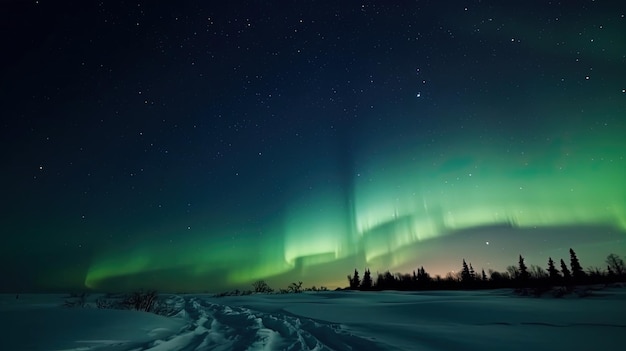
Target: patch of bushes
{"type": "Point", "coordinates": [140, 300]}
{"type": "Point", "coordinates": [76, 300]}
{"type": "Point", "coordinates": [261, 287]}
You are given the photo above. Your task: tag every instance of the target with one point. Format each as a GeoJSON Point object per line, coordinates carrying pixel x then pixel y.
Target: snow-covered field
{"type": "Point", "coordinates": [337, 320]}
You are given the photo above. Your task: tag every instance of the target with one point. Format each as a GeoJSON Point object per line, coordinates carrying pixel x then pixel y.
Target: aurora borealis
{"type": "Point", "coordinates": [196, 146]}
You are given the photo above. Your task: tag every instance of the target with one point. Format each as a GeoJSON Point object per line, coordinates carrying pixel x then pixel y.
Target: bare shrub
{"type": "Point", "coordinates": [295, 287]}
{"type": "Point", "coordinates": [140, 300]}
{"type": "Point", "coordinates": [260, 286]}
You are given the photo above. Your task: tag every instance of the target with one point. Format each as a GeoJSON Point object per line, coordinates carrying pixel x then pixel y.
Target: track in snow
{"type": "Point", "coordinates": [220, 327]}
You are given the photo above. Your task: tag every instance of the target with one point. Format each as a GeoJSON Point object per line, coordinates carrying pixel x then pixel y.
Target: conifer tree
{"type": "Point", "coordinates": [566, 274]}
{"type": "Point", "coordinates": [484, 276]}
{"type": "Point", "coordinates": [366, 284]}
{"type": "Point", "coordinates": [523, 270]}
{"type": "Point", "coordinates": [472, 272]}
{"type": "Point", "coordinates": [355, 281]}
{"type": "Point", "coordinates": [552, 271]}
{"type": "Point", "coordinates": [465, 273]}
{"type": "Point", "coordinates": [380, 281]}
{"type": "Point", "coordinates": [577, 271]}
{"type": "Point", "coordinates": [389, 280]}
{"type": "Point", "coordinates": [422, 276]}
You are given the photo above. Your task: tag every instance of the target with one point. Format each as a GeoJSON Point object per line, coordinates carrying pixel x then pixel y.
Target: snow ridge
{"type": "Point", "coordinates": [220, 327]}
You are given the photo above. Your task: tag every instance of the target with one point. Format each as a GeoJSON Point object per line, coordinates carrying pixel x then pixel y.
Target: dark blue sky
{"type": "Point", "coordinates": [197, 145]}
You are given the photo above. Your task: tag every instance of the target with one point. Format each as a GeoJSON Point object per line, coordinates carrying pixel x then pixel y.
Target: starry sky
{"type": "Point", "coordinates": [203, 145]}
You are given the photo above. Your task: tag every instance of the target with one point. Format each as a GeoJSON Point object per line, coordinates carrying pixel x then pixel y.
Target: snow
{"type": "Point", "coordinates": [337, 320]}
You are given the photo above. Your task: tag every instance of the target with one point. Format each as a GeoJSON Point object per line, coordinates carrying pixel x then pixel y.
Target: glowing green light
{"type": "Point", "coordinates": [397, 203]}
{"type": "Point", "coordinates": [318, 227]}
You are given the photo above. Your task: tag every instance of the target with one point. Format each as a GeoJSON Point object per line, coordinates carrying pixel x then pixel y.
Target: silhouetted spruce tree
{"type": "Point", "coordinates": [366, 284]}
{"type": "Point", "coordinates": [472, 272]}
{"type": "Point", "coordinates": [354, 280]}
{"type": "Point", "coordinates": [422, 279]}
{"type": "Point", "coordinates": [567, 276]}
{"type": "Point", "coordinates": [553, 273]}
{"type": "Point", "coordinates": [380, 281]}
{"type": "Point", "coordinates": [422, 276]}
{"type": "Point", "coordinates": [390, 280]}
{"type": "Point", "coordinates": [357, 279]}
{"type": "Point", "coordinates": [466, 276]}
{"type": "Point", "coordinates": [523, 270]}
{"type": "Point", "coordinates": [483, 276]}
{"type": "Point", "coordinates": [577, 271]}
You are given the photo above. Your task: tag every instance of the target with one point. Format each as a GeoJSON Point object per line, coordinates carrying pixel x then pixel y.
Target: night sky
{"type": "Point", "coordinates": [203, 145]}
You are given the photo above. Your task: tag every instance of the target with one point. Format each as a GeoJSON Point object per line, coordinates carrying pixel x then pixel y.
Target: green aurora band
{"type": "Point", "coordinates": [404, 200]}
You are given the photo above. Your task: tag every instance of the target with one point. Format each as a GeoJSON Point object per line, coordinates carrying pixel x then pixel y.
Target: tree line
{"type": "Point", "coordinates": [519, 276]}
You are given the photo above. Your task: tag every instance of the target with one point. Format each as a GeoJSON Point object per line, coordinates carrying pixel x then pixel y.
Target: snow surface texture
{"type": "Point", "coordinates": [441, 320]}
